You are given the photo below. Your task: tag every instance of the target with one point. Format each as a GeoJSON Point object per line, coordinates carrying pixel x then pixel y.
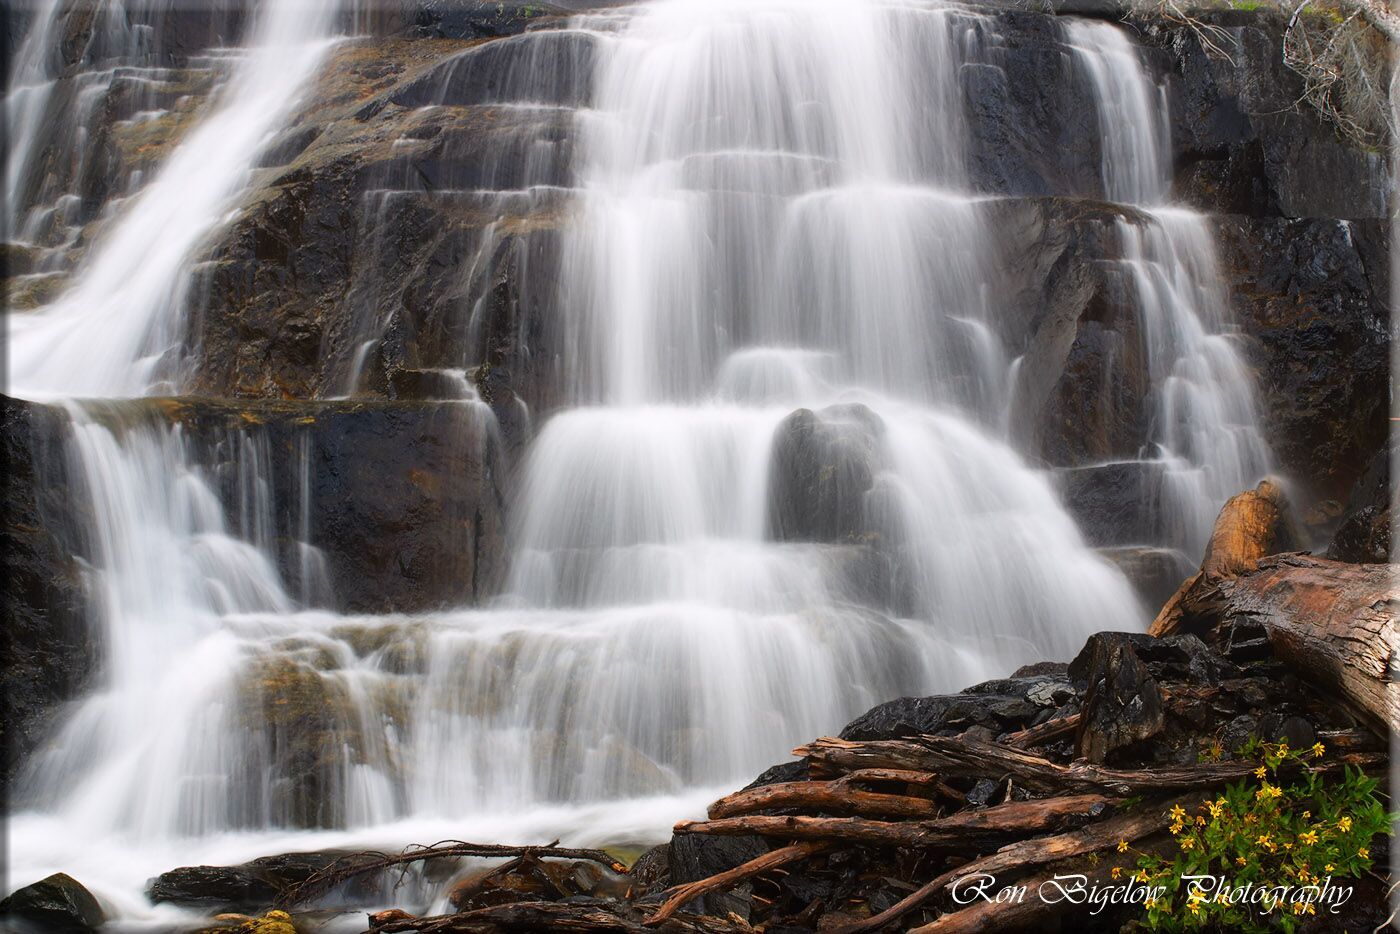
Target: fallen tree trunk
{"type": "Point", "coordinates": [1334, 623]}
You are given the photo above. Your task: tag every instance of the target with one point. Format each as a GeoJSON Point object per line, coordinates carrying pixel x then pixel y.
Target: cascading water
{"type": "Point", "coordinates": [1205, 429]}
{"type": "Point", "coordinates": [750, 235]}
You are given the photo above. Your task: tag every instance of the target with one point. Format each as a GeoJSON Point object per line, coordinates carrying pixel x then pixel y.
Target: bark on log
{"type": "Point", "coordinates": [1042, 733]}
{"type": "Point", "coordinates": [834, 797]}
{"type": "Point", "coordinates": [964, 832]}
{"type": "Point", "coordinates": [1332, 622]}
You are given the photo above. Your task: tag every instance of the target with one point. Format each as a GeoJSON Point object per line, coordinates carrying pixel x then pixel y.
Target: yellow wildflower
{"type": "Point", "coordinates": [1364, 853]}
{"type": "Point", "coordinates": [1122, 846]}
{"type": "Point", "coordinates": [1317, 750]}
{"type": "Point", "coordinates": [1260, 772]}
{"type": "Point", "coordinates": [1175, 828]}
{"type": "Point", "coordinates": [1327, 868]}
{"type": "Point", "coordinates": [1116, 872]}
{"type": "Point", "coordinates": [1241, 860]}
{"type": "Point", "coordinates": [1309, 838]}
{"type": "Point", "coordinates": [1344, 824]}
{"type": "Point", "coordinates": [1141, 876]}
{"type": "Point", "coordinates": [1188, 842]}
{"type": "Point", "coordinates": [1178, 812]}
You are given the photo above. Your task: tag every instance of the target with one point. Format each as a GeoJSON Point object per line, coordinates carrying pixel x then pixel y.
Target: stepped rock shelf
{"type": "Point", "coordinates": [500, 429]}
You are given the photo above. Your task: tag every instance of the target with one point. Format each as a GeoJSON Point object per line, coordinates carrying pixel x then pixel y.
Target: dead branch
{"type": "Point", "coordinates": [966, 831]}
{"type": "Point", "coordinates": [681, 895]}
{"type": "Point", "coordinates": [358, 864]}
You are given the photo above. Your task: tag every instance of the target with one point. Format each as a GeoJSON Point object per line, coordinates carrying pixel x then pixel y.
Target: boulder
{"type": "Point", "coordinates": [824, 463]}
{"type": "Point", "coordinates": [58, 904]}
{"type": "Point", "coordinates": [247, 888]}
{"type": "Point", "coordinates": [1155, 573]}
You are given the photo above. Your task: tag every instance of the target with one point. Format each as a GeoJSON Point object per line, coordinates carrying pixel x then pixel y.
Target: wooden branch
{"type": "Point", "coordinates": [966, 831]}
{"type": "Point", "coordinates": [970, 758]}
{"type": "Point", "coordinates": [681, 895]}
{"type": "Point", "coordinates": [1043, 732]}
{"type": "Point", "coordinates": [358, 864]}
{"type": "Point", "coordinates": [1028, 854]}
{"type": "Point", "coordinates": [834, 797]}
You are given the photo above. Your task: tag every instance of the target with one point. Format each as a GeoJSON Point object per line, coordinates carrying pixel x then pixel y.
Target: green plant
{"type": "Point", "coordinates": [1265, 853]}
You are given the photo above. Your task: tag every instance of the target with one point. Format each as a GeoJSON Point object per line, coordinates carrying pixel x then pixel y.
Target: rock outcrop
{"type": "Point", "coordinates": [50, 643]}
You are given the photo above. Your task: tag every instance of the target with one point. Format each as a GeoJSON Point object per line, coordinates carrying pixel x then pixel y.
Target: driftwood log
{"type": "Point", "coordinates": [1333, 623]}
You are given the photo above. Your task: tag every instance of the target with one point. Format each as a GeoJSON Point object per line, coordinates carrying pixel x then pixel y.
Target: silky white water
{"type": "Point", "coordinates": [771, 212]}
{"type": "Point", "coordinates": [1205, 429]}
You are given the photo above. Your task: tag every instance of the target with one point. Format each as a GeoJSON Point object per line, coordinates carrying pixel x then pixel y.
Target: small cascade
{"type": "Point", "coordinates": [111, 333]}
{"type": "Point", "coordinates": [1205, 427]}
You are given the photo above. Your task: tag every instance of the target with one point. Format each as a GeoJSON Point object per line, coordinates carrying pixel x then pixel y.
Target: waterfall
{"type": "Point", "coordinates": [1205, 427]}
{"type": "Point", "coordinates": [112, 332]}
{"type": "Point", "coordinates": [775, 260]}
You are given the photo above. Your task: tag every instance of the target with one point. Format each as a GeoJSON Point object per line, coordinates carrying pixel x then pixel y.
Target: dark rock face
{"type": "Point", "coordinates": [403, 499]}
{"type": "Point", "coordinates": [1081, 394]}
{"type": "Point", "coordinates": [1312, 296]}
{"type": "Point", "coordinates": [1115, 503]}
{"type": "Point", "coordinates": [824, 464]}
{"type": "Point", "coordinates": [1244, 147]}
{"type": "Point", "coordinates": [1028, 135]}
{"type": "Point", "coordinates": [1122, 704]}
{"type": "Point", "coordinates": [58, 903]}
{"type": "Point", "coordinates": [49, 647]}
{"type": "Point", "coordinates": [1364, 534]}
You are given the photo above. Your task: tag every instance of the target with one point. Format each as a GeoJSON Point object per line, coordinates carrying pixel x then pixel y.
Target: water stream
{"type": "Point", "coordinates": [772, 213]}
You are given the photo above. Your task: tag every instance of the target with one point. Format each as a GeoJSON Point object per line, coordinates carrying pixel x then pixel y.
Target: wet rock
{"type": "Point", "coordinates": [991, 708]}
{"type": "Point", "coordinates": [1116, 503]}
{"type": "Point", "coordinates": [247, 888]}
{"type": "Point", "coordinates": [1081, 393]}
{"type": "Point", "coordinates": [824, 463]}
{"type": "Point", "coordinates": [1363, 535]}
{"type": "Point", "coordinates": [1122, 705]}
{"type": "Point", "coordinates": [402, 498]}
{"type": "Point", "coordinates": [1312, 296]}
{"type": "Point", "coordinates": [1244, 146]}
{"type": "Point", "coordinates": [1155, 573]}
{"type": "Point", "coordinates": [58, 903]}
{"type": "Point", "coordinates": [698, 856]}
{"type": "Point", "coordinates": [48, 651]}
